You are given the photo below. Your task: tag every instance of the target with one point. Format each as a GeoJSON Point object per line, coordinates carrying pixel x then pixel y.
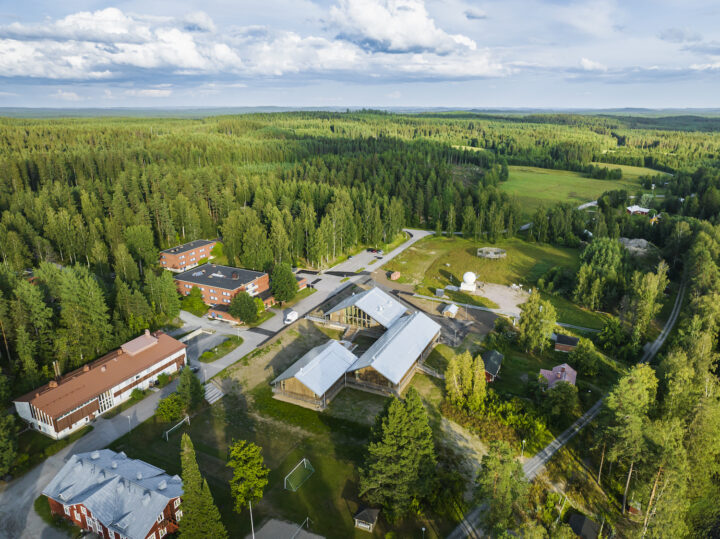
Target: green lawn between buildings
{"type": "Point", "coordinates": [533, 186]}
{"type": "Point", "coordinates": [333, 441]}
{"type": "Point", "coordinates": [222, 349]}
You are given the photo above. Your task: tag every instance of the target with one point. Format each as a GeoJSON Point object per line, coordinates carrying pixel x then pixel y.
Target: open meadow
{"type": "Point", "coordinates": [533, 187]}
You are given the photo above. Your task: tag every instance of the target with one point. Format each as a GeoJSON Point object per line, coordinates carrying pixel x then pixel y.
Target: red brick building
{"type": "Point", "coordinates": [116, 497]}
{"type": "Point", "coordinates": [187, 255]}
{"type": "Point", "coordinates": [219, 284]}
{"type": "Point", "coordinates": [63, 406]}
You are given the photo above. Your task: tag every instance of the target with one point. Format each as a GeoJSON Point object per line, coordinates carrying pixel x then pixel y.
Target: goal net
{"type": "Point", "coordinates": [185, 419]}
{"type": "Point", "coordinates": [298, 475]}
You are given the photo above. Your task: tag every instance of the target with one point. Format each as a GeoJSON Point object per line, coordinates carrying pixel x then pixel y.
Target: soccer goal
{"type": "Point", "coordinates": [298, 475]}
{"type": "Point", "coordinates": [185, 419]}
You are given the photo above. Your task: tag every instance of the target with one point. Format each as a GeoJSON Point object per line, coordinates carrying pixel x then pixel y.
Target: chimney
{"type": "Point", "coordinates": [147, 332]}
{"type": "Point", "coordinates": [52, 383]}
{"type": "Point", "coordinates": [103, 368]}
{"type": "Point", "coordinates": [56, 369]}
{"type": "Point", "coordinates": [86, 368]}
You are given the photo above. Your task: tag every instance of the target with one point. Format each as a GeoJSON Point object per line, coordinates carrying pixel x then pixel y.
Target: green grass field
{"type": "Point", "coordinates": [425, 262]}
{"type": "Point", "coordinates": [631, 173]}
{"type": "Point", "coordinates": [224, 348]}
{"type": "Point", "coordinates": [534, 187]}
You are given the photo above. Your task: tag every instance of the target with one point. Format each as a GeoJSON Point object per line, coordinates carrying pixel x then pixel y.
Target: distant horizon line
{"type": "Point", "coordinates": [185, 110]}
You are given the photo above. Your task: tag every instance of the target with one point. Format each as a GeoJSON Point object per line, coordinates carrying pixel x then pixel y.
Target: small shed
{"type": "Point", "coordinates": [565, 343]}
{"type": "Point", "coordinates": [584, 527]}
{"type": "Point", "coordinates": [440, 292]}
{"type": "Point", "coordinates": [493, 362]}
{"type": "Point", "coordinates": [366, 519]}
{"type": "Point", "coordinates": [450, 310]}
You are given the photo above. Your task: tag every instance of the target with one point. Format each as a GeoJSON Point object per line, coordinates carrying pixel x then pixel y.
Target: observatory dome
{"type": "Point", "coordinates": [469, 277]}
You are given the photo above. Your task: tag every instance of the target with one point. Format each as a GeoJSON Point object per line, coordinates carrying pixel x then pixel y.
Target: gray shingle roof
{"type": "Point", "coordinates": [124, 494]}
{"type": "Point", "coordinates": [321, 367]}
{"type": "Point", "coordinates": [375, 303]}
{"type": "Point", "coordinates": [393, 354]}
{"type": "Point", "coordinates": [189, 246]}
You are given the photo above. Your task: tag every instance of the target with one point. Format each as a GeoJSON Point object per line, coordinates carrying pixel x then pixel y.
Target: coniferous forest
{"type": "Point", "coordinates": [87, 204]}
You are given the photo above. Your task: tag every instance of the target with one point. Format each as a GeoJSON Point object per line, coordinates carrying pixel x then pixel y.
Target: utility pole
{"type": "Point", "coordinates": [522, 451]}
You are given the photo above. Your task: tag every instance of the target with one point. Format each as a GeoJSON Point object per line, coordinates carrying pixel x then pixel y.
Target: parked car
{"type": "Point", "coordinates": [290, 317]}
{"type": "Point", "coordinates": [194, 368]}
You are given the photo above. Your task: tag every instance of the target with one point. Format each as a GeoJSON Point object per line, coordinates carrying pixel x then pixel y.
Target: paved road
{"type": "Point", "coordinates": [17, 517]}
{"type": "Point", "coordinates": [470, 526]}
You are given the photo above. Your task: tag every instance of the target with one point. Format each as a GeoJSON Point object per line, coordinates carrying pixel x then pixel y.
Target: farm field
{"type": "Point", "coordinates": [630, 172]}
{"type": "Point", "coordinates": [533, 187]}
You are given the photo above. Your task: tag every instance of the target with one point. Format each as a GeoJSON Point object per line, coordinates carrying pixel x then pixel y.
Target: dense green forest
{"type": "Point", "coordinates": [86, 205]}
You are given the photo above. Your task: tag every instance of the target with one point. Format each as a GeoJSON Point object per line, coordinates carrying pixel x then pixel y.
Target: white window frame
{"type": "Point", "coordinates": [67, 509]}
{"type": "Point", "coordinates": [177, 503]}
{"type": "Point", "coordinates": [178, 514]}
{"type": "Point", "coordinates": [162, 532]}
{"type": "Point", "coordinates": [151, 536]}
{"type": "Point", "coordinates": [160, 518]}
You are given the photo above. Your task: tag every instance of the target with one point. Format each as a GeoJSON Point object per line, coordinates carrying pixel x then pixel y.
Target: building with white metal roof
{"type": "Point", "coordinates": [367, 309]}
{"type": "Point", "coordinates": [317, 376]}
{"type": "Point", "coordinates": [115, 496]}
{"type": "Point", "coordinates": [394, 355]}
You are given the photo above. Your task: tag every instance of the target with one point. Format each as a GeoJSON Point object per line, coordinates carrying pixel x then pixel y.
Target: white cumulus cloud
{"type": "Point", "coordinates": [394, 26]}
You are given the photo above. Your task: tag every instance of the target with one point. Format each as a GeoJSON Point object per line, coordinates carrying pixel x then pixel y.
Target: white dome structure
{"type": "Point", "coordinates": [469, 277]}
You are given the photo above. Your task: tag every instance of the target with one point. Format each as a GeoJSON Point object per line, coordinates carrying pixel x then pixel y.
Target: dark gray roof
{"type": "Point", "coordinates": [583, 526]}
{"type": "Point", "coordinates": [493, 360]}
{"type": "Point", "coordinates": [189, 246]}
{"type": "Point", "coordinates": [368, 515]}
{"type": "Point", "coordinates": [220, 276]}
{"type": "Point", "coordinates": [567, 340]}
{"type": "Point", "coordinates": [126, 495]}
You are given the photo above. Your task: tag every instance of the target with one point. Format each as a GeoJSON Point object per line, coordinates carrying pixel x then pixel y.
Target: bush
{"type": "Point", "coordinates": [170, 408]}
{"type": "Point", "coordinates": [163, 379]}
{"type": "Point", "coordinates": [194, 303]}
{"type": "Point", "coordinates": [137, 394]}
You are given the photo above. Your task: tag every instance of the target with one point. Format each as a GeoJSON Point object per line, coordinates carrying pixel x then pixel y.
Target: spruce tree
{"type": "Point", "coordinates": [536, 322]}
{"type": "Point", "coordinates": [423, 458]}
{"type": "Point", "coordinates": [201, 517]}
{"type": "Point", "coordinates": [190, 389]}
{"type": "Point", "coordinates": [453, 385]}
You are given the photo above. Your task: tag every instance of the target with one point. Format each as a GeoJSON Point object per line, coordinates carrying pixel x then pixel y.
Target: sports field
{"type": "Point", "coordinates": [535, 186]}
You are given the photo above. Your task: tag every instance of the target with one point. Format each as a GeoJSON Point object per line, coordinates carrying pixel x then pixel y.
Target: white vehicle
{"type": "Point", "coordinates": [290, 317]}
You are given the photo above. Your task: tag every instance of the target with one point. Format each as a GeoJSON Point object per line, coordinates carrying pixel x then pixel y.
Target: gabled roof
{"type": "Point", "coordinates": [321, 367]}
{"type": "Point", "coordinates": [567, 340]}
{"type": "Point", "coordinates": [584, 527]}
{"type": "Point", "coordinates": [493, 360]}
{"type": "Point", "coordinates": [126, 495]}
{"type": "Point", "coordinates": [559, 373]}
{"type": "Point", "coordinates": [394, 353]}
{"type": "Point", "coordinates": [450, 308]}
{"type": "Point", "coordinates": [376, 304]}
{"type": "Point", "coordinates": [83, 384]}
{"type": "Point", "coordinates": [368, 515]}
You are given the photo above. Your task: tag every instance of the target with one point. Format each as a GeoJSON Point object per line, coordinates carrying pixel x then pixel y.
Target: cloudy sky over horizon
{"type": "Point", "coordinates": [454, 53]}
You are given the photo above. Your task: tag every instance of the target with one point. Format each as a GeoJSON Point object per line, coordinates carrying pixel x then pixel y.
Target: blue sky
{"type": "Point", "coordinates": [453, 53]}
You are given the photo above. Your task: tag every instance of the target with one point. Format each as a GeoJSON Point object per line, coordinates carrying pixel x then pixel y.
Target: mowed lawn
{"type": "Point", "coordinates": [534, 187]}
{"type": "Point", "coordinates": [333, 441]}
{"type": "Point", "coordinates": [434, 261]}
